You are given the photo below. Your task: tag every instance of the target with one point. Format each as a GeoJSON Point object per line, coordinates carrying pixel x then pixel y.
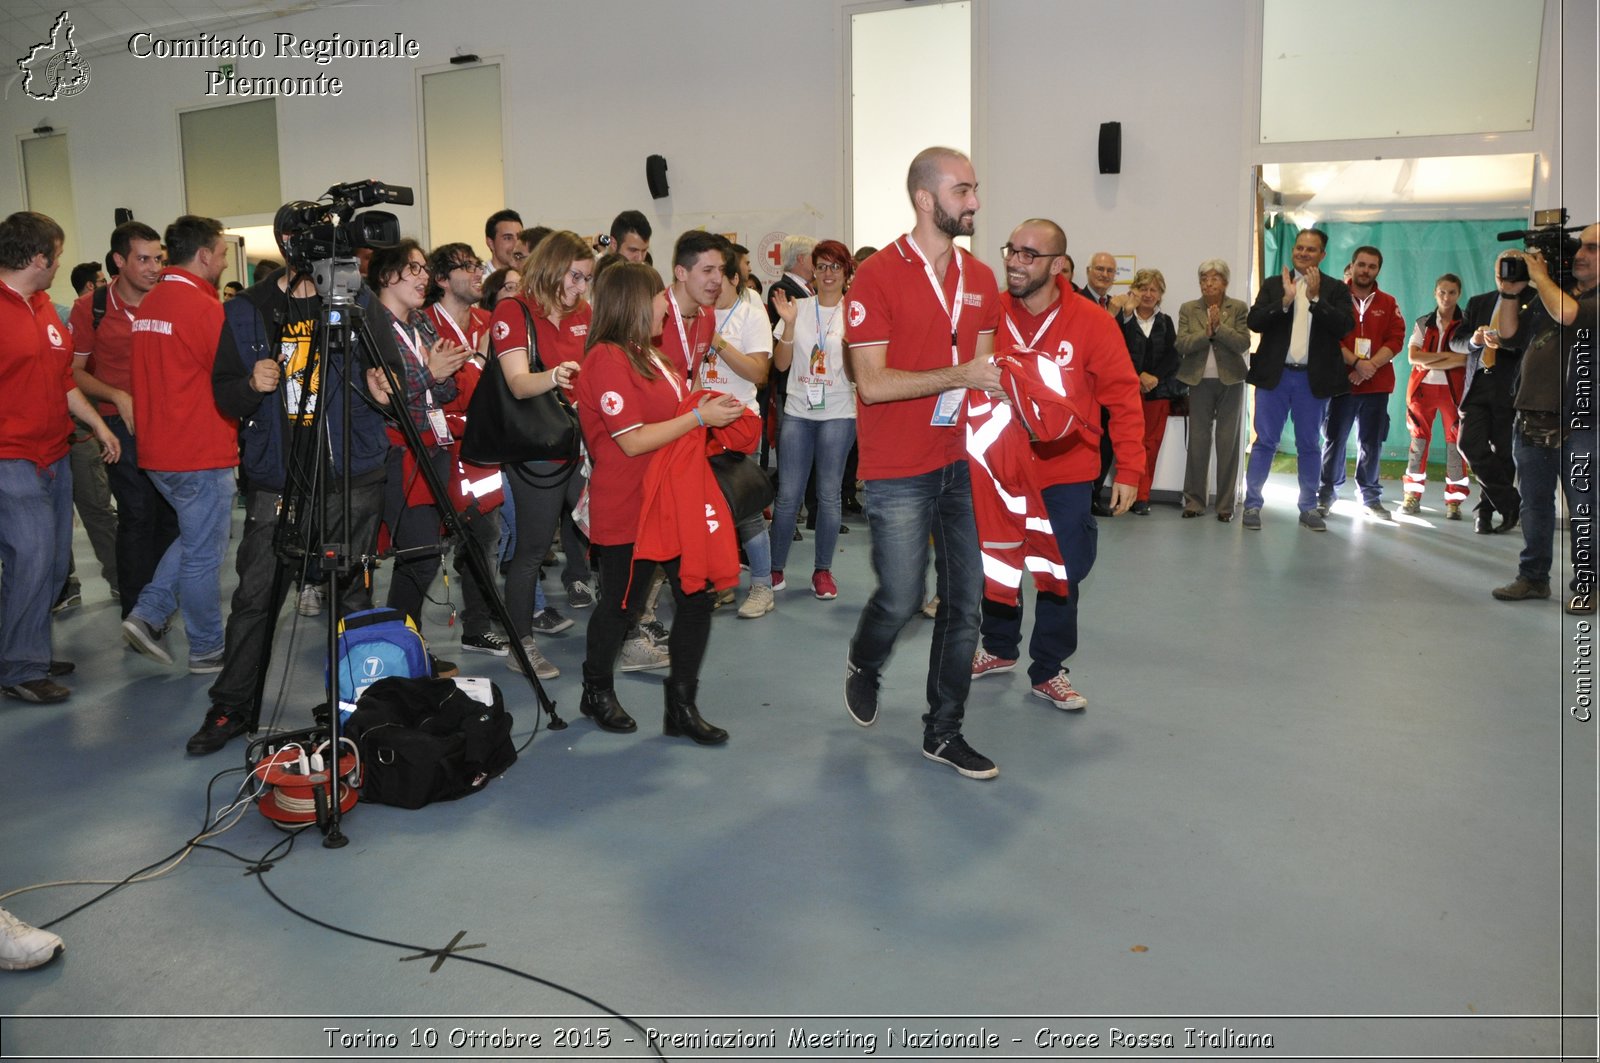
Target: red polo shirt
{"type": "Point", "coordinates": [175, 334]}
{"type": "Point", "coordinates": [446, 327]}
{"type": "Point", "coordinates": [1380, 322]}
{"type": "Point", "coordinates": [892, 300]}
{"type": "Point", "coordinates": [685, 341]}
{"type": "Point", "coordinates": [614, 399]}
{"type": "Point", "coordinates": [107, 348]}
{"type": "Point", "coordinates": [35, 376]}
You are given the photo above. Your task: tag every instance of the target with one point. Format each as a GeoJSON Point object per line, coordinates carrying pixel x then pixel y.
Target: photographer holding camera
{"type": "Point", "coordinates": [1555, 434]}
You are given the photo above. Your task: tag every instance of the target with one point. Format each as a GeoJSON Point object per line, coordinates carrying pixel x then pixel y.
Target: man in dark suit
{"type": "Point", "coordinates": [1301, 315]}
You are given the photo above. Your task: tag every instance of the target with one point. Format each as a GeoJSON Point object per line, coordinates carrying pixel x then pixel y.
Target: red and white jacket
{"type": "Point", "coordinates": [1014, 532]}
{"type": "Point", "coordinates": [683, 513]}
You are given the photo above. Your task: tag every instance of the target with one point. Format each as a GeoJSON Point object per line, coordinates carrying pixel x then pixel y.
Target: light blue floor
{"type": "Point", "coordinates": [1319, 775]}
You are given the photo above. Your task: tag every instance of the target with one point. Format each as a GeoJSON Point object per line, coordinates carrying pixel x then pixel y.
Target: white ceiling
{"type": "Point", "coordinates": [1469, 186]}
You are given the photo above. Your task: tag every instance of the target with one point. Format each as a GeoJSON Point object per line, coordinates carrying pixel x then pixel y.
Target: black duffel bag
{"type": "Point", "coordinates": [426, 740]}
{"type": "Point", "coordinates": [745, 484]}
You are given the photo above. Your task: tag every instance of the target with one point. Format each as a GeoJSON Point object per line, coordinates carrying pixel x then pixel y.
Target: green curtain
{"type": "Point", "coordinates": [1415, 254]}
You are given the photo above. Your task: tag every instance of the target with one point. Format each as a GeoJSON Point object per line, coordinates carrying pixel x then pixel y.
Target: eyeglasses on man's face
{"type": "Point", "coordinates": [1027, 255]}
{"type": "Point", "coordinates": [470, 265]}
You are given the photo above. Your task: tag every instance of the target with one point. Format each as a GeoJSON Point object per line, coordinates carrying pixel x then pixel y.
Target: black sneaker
{"type": "Point", "coordinates": [955, 752]}
{"type": "Point", "coordinates": [860, 694]}
{"type": "Point", "coordinates": [71, 595]}
{"type": "Point", "coordinates": [489, 642]}
{"type": "Point", "coordinates": [579, 595]}
{"type": "Point", "coordinates": [220, 725]}
{"type": "Point", "coordinates": [549, 622]}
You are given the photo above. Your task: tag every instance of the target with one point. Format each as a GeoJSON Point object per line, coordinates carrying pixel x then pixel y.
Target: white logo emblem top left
{"type": "Point", "coordinates": [611, 403]}
{"type": "Point", "coordinates": [55, 336]}
{"type": "Point", "coordinates": [54, 69]}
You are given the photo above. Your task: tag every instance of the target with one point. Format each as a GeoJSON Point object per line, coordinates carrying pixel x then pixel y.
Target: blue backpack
{"type": "Point", "coordinates": [377, 644]}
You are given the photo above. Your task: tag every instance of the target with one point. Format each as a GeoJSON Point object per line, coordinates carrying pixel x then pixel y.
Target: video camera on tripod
{"type": "Point", "coordinates": [320, 239]}
{"type": "Point", "coordinates": [1549, 236]}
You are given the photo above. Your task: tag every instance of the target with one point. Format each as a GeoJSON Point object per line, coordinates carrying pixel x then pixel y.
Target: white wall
{"type": "Point", "coordinates": [590, 90]}
{"type": "Point", "coordinates": [745, 99]}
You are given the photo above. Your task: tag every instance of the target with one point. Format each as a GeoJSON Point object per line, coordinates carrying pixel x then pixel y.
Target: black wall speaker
{"type": "Point", "coordinates": [1110, 147]}
{"type": "Point", "coordinates": [655, 175]}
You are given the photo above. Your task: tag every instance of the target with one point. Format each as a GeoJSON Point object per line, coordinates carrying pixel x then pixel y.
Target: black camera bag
{"type": "Point", "coordinates": [426, 740]}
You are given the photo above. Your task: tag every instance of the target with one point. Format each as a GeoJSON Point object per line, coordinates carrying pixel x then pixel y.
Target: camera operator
{"type": "Point", "coordinates": [1555, 437]}
{"type": "Point", "coordinates": [1487, 412]}
{"type": "Point", "coordinates": [265, 375]}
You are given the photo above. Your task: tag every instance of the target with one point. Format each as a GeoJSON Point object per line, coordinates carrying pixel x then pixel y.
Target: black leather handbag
{"type": "Point", "coordinates": [746, 486]}
{"type": "Point", "coordinates": [505, 430]}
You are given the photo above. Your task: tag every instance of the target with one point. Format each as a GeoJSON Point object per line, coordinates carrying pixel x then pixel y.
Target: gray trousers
{"type": "Point", "coordinates": [91, 495]}
{"type": "Point", "coordinates": [1216, 414]}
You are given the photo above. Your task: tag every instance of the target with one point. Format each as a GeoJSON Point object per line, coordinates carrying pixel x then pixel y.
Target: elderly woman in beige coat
{"type": "Point", "coordinates": [1212, 341]}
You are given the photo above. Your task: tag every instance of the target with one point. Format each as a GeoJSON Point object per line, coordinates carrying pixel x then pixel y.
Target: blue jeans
{"type": "Point", "coordinates": [803, 443]}
{"type": "Point", "coordinates": [1539, 469]}
{"type": "Point", "coordinates": [902, 513]}
{"type": "Point", "coordinates": [35, 544]}
{"type": "Point", "coordinates": [1055, 629]}
{"type": "Point", "coordinates": [1291, 398]}
{"type": "Point", "coordinates": [190, 572]}
{"type": "Point", "coordinates": [1369, 415]}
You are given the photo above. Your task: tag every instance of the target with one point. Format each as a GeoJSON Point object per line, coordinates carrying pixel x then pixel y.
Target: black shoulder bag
{"type": "Point", "coordinates": [505, 430]}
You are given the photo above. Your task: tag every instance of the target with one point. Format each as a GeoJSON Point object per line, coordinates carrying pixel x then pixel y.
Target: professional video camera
{"type": "Point", "coordinates": [320, 239]}
{"type": "Point", "coordinates": [1548, 237]}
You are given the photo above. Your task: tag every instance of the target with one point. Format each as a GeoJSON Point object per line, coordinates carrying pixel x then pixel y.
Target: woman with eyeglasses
{"type": "Point", "coordinates": [819, 416]}
{"type": "Point", "coordinates": [1152, 342]}
{"type": "Point", "coordinates": [549, 309]}
{"type": "Point", "coordinates": [399, 275]}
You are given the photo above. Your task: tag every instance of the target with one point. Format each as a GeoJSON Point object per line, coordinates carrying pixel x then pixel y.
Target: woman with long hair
{"type": "Point", "coordinates": [550, 305]}
{"type": "Point", "coordinates": [629, 400]}
{"type": "Point", "coordinates": [819, 417]}
{"type": "Point", "coordinates": [399, 275]}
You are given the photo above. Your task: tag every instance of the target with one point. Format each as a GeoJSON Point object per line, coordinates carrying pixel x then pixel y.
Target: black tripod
{"type": "Point", "coordinates": [344, 337]}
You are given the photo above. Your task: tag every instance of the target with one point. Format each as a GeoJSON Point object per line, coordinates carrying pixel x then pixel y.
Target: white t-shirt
{"type": "Point", "coordinates": [811, 378]}
{"type": "Point", "coordinates": [744, 325]}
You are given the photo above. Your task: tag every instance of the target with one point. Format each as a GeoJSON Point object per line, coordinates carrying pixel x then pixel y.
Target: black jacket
{"type": "Point", "coordinates": [1332, 318]}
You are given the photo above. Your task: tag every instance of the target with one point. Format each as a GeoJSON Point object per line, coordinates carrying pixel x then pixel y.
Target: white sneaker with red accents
{"type": "Point", "coordinates": [1057, 690]}
{"type": "Point", "coordinates": [986, 663]}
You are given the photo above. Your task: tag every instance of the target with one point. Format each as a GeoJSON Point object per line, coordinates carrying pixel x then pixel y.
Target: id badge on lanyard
{"type": "Point", "coordinates": [436, 421]}
{"type": "Point", "coordinates": [947, 411]}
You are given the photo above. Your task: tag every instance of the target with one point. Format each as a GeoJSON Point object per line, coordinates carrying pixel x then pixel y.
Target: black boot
{"type": "Point", "coordinates": [682, 718]}
{"type": "Point", "coordinates": [600, 704]}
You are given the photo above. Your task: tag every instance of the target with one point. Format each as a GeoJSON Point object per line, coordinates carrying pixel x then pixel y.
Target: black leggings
{"type": "Point", "coordinates": [691, 624]}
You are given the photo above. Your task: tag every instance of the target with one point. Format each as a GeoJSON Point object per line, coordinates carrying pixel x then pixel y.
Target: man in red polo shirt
{"type": "Point", "coordinates": [1368, 350]}
{"type": "Point", "coordinates": [1039, 314]}
{"type": "Point", "coordinates": [186, 444]}
{"type": "Point", "coordinates": [35, 473]}
{"type": "Point", "coordinates": [920, 322]}
{"type": "Point", "coordinates": [102, 356]}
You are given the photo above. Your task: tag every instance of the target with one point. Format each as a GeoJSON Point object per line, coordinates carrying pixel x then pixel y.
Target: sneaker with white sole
{"type": "Point", "coordinates": [208, 664]}
{"type": "Point", "coordinates": [146, 639]}
{"type": "Point", "coordinates": [490, 642]}
{"type": "Point", "coordinates": [860, 694]}
{"type": "Point", "coordinates": [955, 752]}
{"type": "Point", "coordinates": [986, 663]}
{"type": "Point", "coordinates": [1057, 690]}
{"type": "Point", "coordinates": [541, 666]}
{"type": "Point", "coordinates": [549, 622]}
{"type": "Point", "coordinates": [778, 582]}
{"type": "Point", "coordinates": [823, 587]}
{"type": "Point", "coordinates": [641, 655]}
{"type": "Point", "coordinates": [579, 595]}
{"type": "Point", "coordinates": [311, 599]}
{"type": "Point", "coordinates": [24, 947]}
{"type": "Point", "coordinates": [759, 602]}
